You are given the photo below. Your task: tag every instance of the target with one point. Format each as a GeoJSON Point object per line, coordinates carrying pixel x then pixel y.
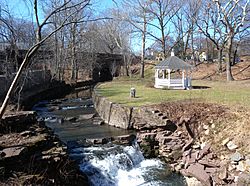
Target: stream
{"type": "Point", "coordinates": [74, 119]}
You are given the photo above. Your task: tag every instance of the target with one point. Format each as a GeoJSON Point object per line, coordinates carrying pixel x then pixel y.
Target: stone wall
{"type": "Point", "coordinates": [126, 117]}
{"type": "Point", "coordinates": [112, 113]}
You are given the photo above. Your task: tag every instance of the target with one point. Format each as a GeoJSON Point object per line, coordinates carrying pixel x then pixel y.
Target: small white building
{"type": "Point", "coordinates": [173, 73]}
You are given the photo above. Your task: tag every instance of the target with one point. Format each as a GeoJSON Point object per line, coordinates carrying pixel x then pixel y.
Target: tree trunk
{"type": "Point", "coordinates": [235, 55]}
{"type": "Point", "coordinates": [220, 59]}
{"type": "Point", "coordinates": [229, 63]}
{"type": "Point", "coordinates": [192, 46]}
{"type": "Point", "coordinates": [164, 46]}
{"type": "Point", "coordinates": [73, 53]}
{"type": "Point", "coordinates": [186, 45]}
{"type": "Point", "coordinates": [163, 40]}
{"type": "Point", "coordinates": [55, 71]}
{"type": "Point", "coordinates": [143, 47]}
{"type": "Point", "coordinates": [207, 49]}
{"type": "Point", "coordinates": [125, 65]}
{"type": "Point", "coordinates": [13, 85]}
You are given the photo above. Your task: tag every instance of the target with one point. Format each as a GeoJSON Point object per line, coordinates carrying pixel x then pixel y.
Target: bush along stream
{"type": "Point", "coordinates": [109, 156]}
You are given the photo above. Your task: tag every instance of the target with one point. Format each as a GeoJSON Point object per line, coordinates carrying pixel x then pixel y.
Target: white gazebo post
{"type": "Point", "coordinates": [156, 73]}
{"type": "Point", "coordinates": [183, 79]}
{"type": "Point", "coordinates": [190, 80]}
{"type": "Point", "coordinates": [169, 77]}
{"type": "Point", "coordinates": [156, 76]}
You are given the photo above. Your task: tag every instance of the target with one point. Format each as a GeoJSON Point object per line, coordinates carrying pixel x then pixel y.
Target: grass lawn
{"type": "Point", "coordinates": [236, 93]}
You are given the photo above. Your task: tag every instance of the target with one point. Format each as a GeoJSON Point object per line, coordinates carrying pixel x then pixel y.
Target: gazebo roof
{"type": "Point", "coordinates": [174, 63]}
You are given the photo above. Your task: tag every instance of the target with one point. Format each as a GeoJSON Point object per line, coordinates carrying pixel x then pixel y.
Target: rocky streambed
{"type": "Point", "coordinates": [182, 134]}
{"type": "Point", "coordinates": [206, 142]}
{"type": "Point", "coordinates": [30, 154]}
{"type": "Point", "coordinates": [183, 138]}
{"type": "Point", "coordinates": [107, 155]}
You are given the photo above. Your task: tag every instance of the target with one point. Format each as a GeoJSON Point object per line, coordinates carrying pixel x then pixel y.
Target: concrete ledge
{"type": "Point", "coordinates": [125, 117]}
{"type": "Point", "coordinates": [112, 113]}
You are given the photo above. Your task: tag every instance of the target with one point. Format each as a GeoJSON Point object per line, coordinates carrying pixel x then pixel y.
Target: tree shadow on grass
{"type": "Point", "coordinates": [200, 87]}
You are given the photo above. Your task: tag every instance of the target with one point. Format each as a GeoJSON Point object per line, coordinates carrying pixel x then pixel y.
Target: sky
{"type": "Point", "coordinates": [24, 9]}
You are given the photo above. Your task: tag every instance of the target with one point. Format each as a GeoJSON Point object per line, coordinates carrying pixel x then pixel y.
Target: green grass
{"type": "Point", "coordinates": [235, 93]}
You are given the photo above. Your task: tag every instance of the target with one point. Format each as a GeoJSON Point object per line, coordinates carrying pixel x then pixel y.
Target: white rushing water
{"type": "Point", "coordinates": [122, 166]}
{"type": "Point", "coordinates": [105, 165]}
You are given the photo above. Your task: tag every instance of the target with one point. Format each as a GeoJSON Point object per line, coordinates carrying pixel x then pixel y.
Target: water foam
{"type": "Point", "coordinates": [119, 166]}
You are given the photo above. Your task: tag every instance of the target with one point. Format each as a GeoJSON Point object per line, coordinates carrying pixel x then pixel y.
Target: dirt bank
{"type": "Point", "coordinates": [206, 141]}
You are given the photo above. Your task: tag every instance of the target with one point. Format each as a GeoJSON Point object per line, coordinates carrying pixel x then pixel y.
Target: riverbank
{"type": "Point", "coordinates": [30, 152]}
{"type": "Point", "coordinates": [52, 90]}
{"type": "Point", "coordinates": [197, 137]}
{"type": "Point", "coordinates": [32, 155]}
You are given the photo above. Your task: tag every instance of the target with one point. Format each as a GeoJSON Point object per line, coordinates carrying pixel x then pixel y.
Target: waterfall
{"type": "Point", "coordinates": [105, 165]}
{"type": "Point", "coordinates": [115, 165]}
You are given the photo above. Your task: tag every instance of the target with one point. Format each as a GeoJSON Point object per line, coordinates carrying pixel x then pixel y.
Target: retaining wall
{"type": "Point", "coordinates": [112, 113]}
{"type": "Point", "coordinates": [122, 116]}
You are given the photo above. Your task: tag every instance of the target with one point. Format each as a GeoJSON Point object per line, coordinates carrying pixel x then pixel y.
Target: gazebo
{"type": "Point", "coordinates": [173, 73]}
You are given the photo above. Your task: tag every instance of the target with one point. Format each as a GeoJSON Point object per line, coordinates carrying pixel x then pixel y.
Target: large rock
{"type": "Point", "coordinates": [125, 139]}
{"type": "Point", "coordinates": [209, 163]}
{"type": "Point", "coordinates": [70, 118]}
{"type": "Point", "coordinates": [192, 181]}
{"type": "Point", "coordinates": [248, 165]}
{"type": "Point", "coordinates": [120, 116]}
{"type": "Point", "coordinates": [192, 158]}
{"type": "Point", "coordinates": [231, 146]}
{"type": "Point", "coordinates": [85, 117]}
{"type": "Point", "coordinates": [211, 170]}
{"type": "Point", "coordinates": [17, 121]}
{"type": "Point", "coordinates": [162, 134]}
{"type": "Point", "coordinates": [13, 151]}
{"type": "Point", "coordinates": [150, 135]}
{"type": "Point", "coordinates": [204, 151]}
{"type": "Point", "coordinates": [243, 179]}
{"type": "Point", "coordinates": [197, 171]}
{"type": "Point", "coordinates": [223, 173]}
{"type": "Point", "coordinates": [241, 166]}
{"type": "Point", "coordinates": [236, 157]}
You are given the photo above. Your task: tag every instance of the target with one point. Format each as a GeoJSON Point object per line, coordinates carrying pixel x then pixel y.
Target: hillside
{"type": "Point", "coordinates": [218, 110]}
{"type": "Point", "coordinates": [241, 71]}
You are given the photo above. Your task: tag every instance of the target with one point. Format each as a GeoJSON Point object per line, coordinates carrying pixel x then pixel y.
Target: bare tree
{"type": "Point", "coordinates": [184, 23]}
{"type": "Point", "coordinates": [209, 25]}
{"type": "Point", "coordinates": [40, 39]}
{"type": "Point", "coordinates": [232, 14]}
{"type": "Point", "coordinates": [138, 16]}
{"type": "Point", "coordinates": [163, 12]}
{"type": "Point", "coordinates": [119, 36]}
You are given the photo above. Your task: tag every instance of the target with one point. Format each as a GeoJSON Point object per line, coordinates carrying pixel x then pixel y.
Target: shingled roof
{"type": "Point", "coordinates": [174, 63]}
